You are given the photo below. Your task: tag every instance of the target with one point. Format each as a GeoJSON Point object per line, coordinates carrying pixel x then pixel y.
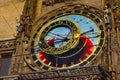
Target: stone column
{"type": "Point", "coordinates": [0, 60]}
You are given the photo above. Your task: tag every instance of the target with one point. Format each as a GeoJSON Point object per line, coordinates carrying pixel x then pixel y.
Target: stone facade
{"type": "Point", "coordinates": [19, 49]}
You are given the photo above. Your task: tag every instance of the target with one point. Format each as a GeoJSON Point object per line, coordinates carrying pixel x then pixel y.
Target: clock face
{"type": "Point", "coordinates": [67, 39]}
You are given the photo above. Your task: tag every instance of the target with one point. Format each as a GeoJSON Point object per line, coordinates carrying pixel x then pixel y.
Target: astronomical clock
{"type": "Point", "coordinates": [66, 37]}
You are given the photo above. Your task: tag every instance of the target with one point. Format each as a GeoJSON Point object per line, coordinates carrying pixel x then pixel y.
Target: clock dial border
{"type": "Point", "coordinates": [85, 13]}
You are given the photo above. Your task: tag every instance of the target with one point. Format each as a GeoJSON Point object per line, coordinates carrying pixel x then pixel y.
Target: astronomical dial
{"type": "Point", "coordinates": [69, 38]}
{"type": "Point", "coordinates": [59, 37]}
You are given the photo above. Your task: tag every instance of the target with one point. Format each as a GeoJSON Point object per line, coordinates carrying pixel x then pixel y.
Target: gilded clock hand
{"type": "Point", "coordinates": [57, 35]}
{"type": "Point", "coordinates": [68, 34]}
{"type": "Point", "coordinates": [94, 36]}
{"type": "Point", "coordinates": [88, 31]}
{"type": "Point", "coordinates": [91, 37]}
{"type": "Point", "coordinates": [65, 39]}
{"type": "Point", "coordinates": [91, 34]}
